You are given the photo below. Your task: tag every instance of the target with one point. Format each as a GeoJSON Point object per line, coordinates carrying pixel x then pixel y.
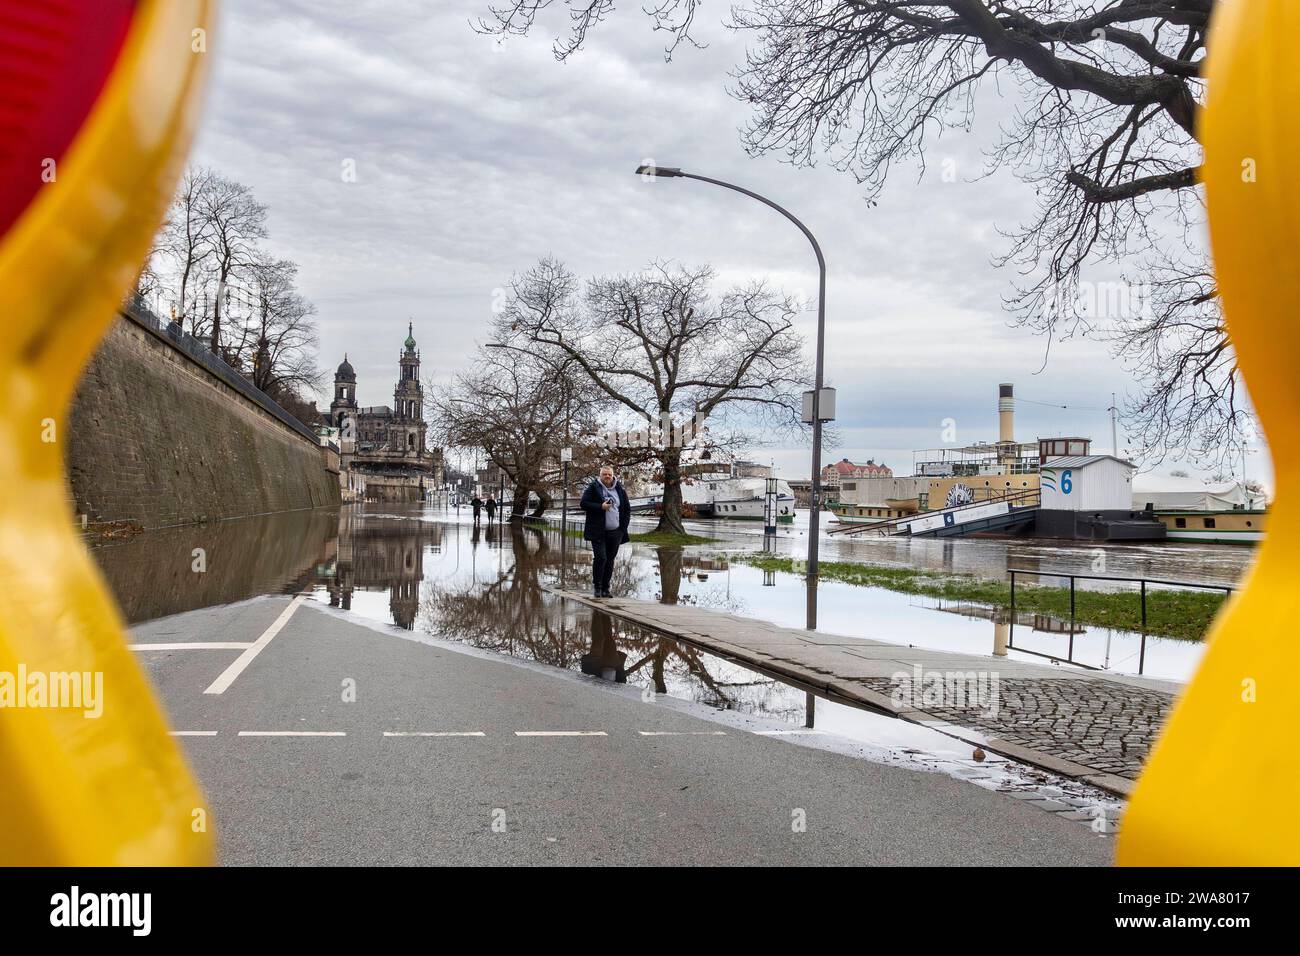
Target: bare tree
{"type": "Point", "coordinates": [1107, 95]}
{"type": "Point", "coordinates": [207, 258]}
{"type": "Point", "coordinates": [520, 409]}
{"type": "Point", "coordinates": [186, 237]}
{"type": "Point", "coordinates": [277, 342]}
{"type": "Point", "coordinates": [660, 345]}
{"type": "Point", "coordinates": [234, 223]}
{"type": "Point", "coordinates": [517, 17]}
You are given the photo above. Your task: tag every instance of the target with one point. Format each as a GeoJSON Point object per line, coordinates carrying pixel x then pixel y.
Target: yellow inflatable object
{"type": "Point", "coordinates": [1221, 784]}
{"type": "Point", "coordinates": [79, 789]}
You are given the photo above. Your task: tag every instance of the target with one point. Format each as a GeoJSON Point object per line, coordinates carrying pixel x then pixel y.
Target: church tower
{"type": "Point", "coordinates": [409, 429]}
{"type": "Point", "coordinates": [345, 395]}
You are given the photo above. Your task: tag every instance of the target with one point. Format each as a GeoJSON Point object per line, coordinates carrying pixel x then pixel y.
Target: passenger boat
{"type": "Point", "coordinates": [735, 498]}
{"type": "Point", "coordinates": [1231, 526]}
{"type": "Point", "coordinates": [846, 513]}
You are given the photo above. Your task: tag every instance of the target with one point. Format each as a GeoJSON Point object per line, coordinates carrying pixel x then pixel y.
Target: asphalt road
{"type": "Point", "coordinates": [538, 766]}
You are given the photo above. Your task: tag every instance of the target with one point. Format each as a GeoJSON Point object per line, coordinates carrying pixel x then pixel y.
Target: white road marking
{"type": "Point", "coordinates": [560, 733]}
{"type": "Point", "coordinates": [682, 733]}
{"type": "Point", "coordinates": [292, 733]}
{"type": "Point", "coordinates": [228, 676]}
{"type": "Point", "coordinates": [784, 733]}
{"type": "Point", "coordinates": [193, 733]}
{"type": "Point", "coordinates": [434, 733]}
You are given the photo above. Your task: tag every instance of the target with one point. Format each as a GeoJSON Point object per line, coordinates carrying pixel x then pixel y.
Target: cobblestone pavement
{"type": "Point", "coordinates": [1101, 724]}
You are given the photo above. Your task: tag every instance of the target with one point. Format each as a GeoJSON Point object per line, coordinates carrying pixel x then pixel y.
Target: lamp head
{"type": "Point", "coordinates": [664, 172]}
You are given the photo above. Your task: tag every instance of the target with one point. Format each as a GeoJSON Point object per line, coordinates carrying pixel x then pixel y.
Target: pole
{"type": "Point", "coordinates": [814, 504]}
{"type": "Point", "coordinates": [564, 527]}
{"type": "Point", "coordinates": [1114, 442]}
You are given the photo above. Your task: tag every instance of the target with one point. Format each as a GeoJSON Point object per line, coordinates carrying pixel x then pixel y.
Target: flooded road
{"type": "Point", "coordinates": [432, 570]}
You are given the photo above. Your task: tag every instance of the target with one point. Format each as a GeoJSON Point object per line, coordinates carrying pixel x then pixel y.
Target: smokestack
{"type": "Point", "coordinates": [1006, 415]}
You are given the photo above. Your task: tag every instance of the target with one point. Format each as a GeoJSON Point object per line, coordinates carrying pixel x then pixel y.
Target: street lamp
{"type": "Point", "coordinates": [819, 396]}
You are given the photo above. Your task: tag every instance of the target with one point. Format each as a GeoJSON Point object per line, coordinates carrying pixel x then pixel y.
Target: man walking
{"type": "Point", "coordinates": [608, 513]}
{"type": "Point", "coordinates": [491, 509]}
{"type": "Point", "coordinates": [477, 504]}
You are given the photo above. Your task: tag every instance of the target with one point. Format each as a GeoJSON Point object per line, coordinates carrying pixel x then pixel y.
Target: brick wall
{"type": "Point", "coordinates": [157, 440]}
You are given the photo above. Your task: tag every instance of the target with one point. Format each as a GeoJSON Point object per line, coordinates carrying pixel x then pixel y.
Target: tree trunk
{"type": "Point", "coordinates": [670, 515]}
{"type": "Point", "coordinates": [223, 275]}
{"type": "Point", "coordinates": [543, 502]}
{"type": "Point", "coordinates": [670, 575]}
{"type": "Point", "coordinates": [518, 502]}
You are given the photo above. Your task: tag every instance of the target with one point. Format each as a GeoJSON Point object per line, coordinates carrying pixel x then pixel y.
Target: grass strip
{"type": "Point", "coordinates": [1182, 614]}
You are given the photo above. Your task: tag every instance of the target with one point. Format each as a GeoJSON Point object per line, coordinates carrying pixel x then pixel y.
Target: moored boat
{"type": "Point", "coordinates": [1230, 526]}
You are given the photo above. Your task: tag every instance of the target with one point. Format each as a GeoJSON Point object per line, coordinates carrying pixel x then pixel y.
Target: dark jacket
{"type": "Point", "coordinates": [592, 501]}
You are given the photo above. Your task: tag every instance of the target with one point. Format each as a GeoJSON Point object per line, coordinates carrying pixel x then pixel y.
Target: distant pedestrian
{"type": "Point", "coordinates": [608, 513]}
{"type": "Point", "coordinates": [477, 504]}
{"type": "Point", "coordinates": [491, 508]}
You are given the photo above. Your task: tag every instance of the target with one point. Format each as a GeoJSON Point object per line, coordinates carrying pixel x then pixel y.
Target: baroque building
{"type": "Point", "coordinates": [386, 446]}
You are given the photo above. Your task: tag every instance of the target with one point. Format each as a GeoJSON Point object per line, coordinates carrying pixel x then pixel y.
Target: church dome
{"type": "Point", "coordinates": [345, 370]}
{"type": "Point", "coordinates": [410, 337]}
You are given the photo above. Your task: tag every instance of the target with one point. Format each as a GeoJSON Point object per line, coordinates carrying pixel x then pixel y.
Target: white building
{"type": "Point", "coordinates": [1087, 483]}
{"type": "Point", "coordinates": [1089, 497]}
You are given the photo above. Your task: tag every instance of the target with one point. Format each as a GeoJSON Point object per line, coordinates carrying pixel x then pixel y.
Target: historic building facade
{"type": "Point", "coordinates": [387, 445]}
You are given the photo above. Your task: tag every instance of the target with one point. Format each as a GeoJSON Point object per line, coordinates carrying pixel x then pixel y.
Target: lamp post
{"type": "Point", "coordinates": [818, 395]}
{"type": "Point", "coordinates": [566, 456]}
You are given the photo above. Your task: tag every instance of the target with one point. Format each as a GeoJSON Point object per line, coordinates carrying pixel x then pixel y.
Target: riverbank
{"type": "Point", "coordinates": [1186, 615]}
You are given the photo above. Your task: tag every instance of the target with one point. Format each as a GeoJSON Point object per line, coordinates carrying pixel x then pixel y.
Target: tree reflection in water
{"type": "Point", "coordinates": [480, 585]}
{"type": "Point", "coordinates": [507, 610]}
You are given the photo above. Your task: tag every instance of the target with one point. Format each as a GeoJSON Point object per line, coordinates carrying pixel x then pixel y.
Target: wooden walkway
{"type": "Point", "coordinates": [1078, 723]}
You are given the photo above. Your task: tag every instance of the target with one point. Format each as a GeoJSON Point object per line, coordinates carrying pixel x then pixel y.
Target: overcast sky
{"type": "Point", "coordinates": [474, 159]}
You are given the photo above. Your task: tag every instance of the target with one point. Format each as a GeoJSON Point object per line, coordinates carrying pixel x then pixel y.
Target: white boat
{"type": "Point", "coordinates": [719, 495]}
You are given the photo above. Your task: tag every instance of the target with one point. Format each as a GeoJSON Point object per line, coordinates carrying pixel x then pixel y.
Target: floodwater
{"type": "Point", "coordinates": [1194, 562]}
{"type": "Point", "coordinates": [430, 570]}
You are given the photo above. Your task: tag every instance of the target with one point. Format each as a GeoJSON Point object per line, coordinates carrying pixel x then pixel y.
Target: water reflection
{"type": "Point", "coordinates": [503, 606]}
{"type": "Point", "coordinates": [181, 569]}
{"type": "Point", "coordinates": [604, 659]}
{"type": "Point", "coordinates": [991, 557]}
{"type": "Point", "coordinates": [485, 585]}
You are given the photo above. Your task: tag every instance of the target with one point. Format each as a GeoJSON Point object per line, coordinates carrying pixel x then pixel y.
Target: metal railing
{"type": "Point", "coordinates": [1143, 582]}
{"type": "Point", "coordinates": [136, 311]}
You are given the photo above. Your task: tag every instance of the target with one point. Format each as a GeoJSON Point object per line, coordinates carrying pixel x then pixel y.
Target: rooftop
{"type": "Point", "coordinates": [1079, 461]}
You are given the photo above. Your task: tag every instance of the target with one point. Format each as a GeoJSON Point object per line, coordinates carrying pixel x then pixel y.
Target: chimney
{"type": "Point", "coordinates": [1006, 415]}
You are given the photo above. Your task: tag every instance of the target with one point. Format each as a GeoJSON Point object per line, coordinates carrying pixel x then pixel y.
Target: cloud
{"type": "Point", "coordinates": [474, 158]}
